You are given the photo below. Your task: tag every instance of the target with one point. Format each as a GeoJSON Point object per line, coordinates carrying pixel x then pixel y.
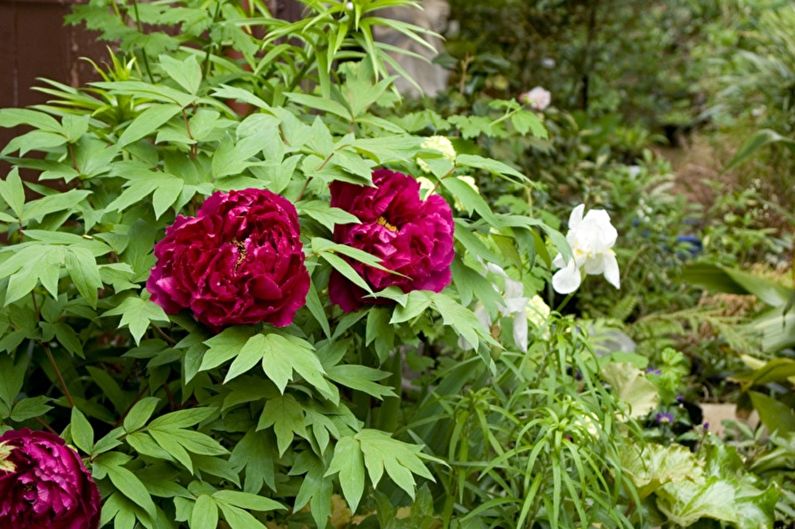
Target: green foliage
{"type": "Point", "coordinates": [529, 443]}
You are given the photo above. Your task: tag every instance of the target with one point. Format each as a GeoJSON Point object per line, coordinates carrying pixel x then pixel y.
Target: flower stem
{"type": "Point", "coordinates": [564, 302]}
{"type": "Point", "coordinates": [59, 375]}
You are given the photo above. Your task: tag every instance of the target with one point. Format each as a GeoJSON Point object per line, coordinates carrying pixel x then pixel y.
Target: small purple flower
{"type": "Point", "coordinates": [664, 418]}
{"type": "Point", "coordinates": [680, 399]}
{"type": "Point", "coordinates": [705, 425]}
{"type": "Point", "coordinates": [653, 371]}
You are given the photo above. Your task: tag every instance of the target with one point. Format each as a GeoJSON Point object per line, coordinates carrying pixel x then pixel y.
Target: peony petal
{"type": "Point", "coordinates": [567, 279]}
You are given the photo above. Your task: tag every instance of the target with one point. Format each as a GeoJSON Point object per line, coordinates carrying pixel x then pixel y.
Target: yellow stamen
{"type": "Point", "coordinates": [5, 464]}
{"type": "Point", "coordinates": [382, 222]}
{"type": "Point", "coordinates": [242, 253]}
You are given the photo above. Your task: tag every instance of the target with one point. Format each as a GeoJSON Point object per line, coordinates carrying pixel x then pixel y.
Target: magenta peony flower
{"type": "Point", "coordinates": [44, 484]}
{"type": "Point", "coordinates": [413, 237]}
{"type": "Point", "coordinates": [238, 261]}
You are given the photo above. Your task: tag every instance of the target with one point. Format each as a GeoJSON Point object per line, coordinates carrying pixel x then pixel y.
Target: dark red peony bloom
{"type": "Point", "coordinates": [411, 236]}
{"type": "Point", "coordinates": [238, 261]}
{"type": "Point", "coordinates": [44, 484]}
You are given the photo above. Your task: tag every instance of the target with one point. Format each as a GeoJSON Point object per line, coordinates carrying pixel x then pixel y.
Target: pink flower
{"type": "Point", "coordinates": [412, 237]}
{"type": "Point", "coordinates": [238, 261]}
{"type": "Point", "coordinates": [44, 484]}
{"type": "Point", "coordinates": [538, 98]}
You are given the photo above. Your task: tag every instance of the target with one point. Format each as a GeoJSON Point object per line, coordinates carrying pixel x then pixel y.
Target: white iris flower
{"type": "Point", "coordinates": [591, 238]}
{"type": "Point", "coordinates": [515, 305]}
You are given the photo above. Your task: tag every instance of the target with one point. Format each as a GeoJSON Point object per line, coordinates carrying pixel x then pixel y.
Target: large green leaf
{"type": "Point", "coordinates": [760, 139]}
{"type": "Point", "coordinates": [719, 278]}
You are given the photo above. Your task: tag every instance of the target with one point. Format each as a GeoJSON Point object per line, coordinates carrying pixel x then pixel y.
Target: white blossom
{"type": "Point", "coordinates": [591, 238]}
{"type": "Point", "coordinates": [440, 144]}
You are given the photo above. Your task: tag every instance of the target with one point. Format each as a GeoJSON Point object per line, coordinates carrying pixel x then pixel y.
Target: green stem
{"type": "Point", "coordinates": [143, 51]}
{"type": "Point", "coordinates": [388, 414]}
{"type": "Point", "coordinates": [211, 45]}
{"type": "Point", "coordinates": [59, 375]}
{"type": "Point", "coordinates": [565, 302]}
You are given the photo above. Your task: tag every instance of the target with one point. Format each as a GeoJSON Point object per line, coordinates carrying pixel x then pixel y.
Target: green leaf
{"type": "Point", "coordinates": [239, 519]}
{"type": "Point", "coordinates": [139, 414]}
{"type": "Point", "coordinates": [187, 73]}
{"type": "Point", "coordinates": [470, 198]}
{"type": "Point", "coordinates": [349, 464]}
{"type": "Point", "coordinates": [183, 418]}
{"type": "Point", "coordinates": [13, 192]}
{"type": "Point", "coordinates": [37, 209]}
{"type": "Point", "coordinates": [399, 459]}
{"type": "Point", "coordinates": [719, 278]}
{"type": "Point", "coordinates": [286, 416]}
{"type": "Point", "coordinates": [416, 303]}
{"type": "Point", "coordinates": [82, 432]}
{"type": "Point", "coordinates": [325, 214]}
{"type": "Point", "coordinates": [486, 164]}
{"type": "Point", "coordinates": [652, 466]}
{"type": "Point", "coordinates": [685, 502]}
{"type": "Point", "coordinates": [137, 314]}
{"type": "Point", "coordinates": [233, 158]}
{"type": "Point", "coordinates": [776, 416]}
{"type": "Point", "coordinates": [321, 103]}
{"type": "Point", "coordinates": [776, 370]}
{"type": "Point", "coordinates": [284, 354]}
{"type": "Point", "coordinates": [250, 354]}
{"type": "Point", "coordinates": [244, 500]}
{"type": "Point", "coordinates": [315, 306]}
{"type": "Point", "coordinates": [777, 327]}
{"type": "Point", "coordinates": [239, 94]}
{"type": "Point", "coordinates": [34, 141]}
{"type": "Point", "coordinates": [83, 270]}
{"type": "Point", "coordinates": [205, 513]}
{"type": "Point", "coordinates": [171, 445]}
{"type": "Point", "coordinates": [343, 267]}
{"type": "Point", "coordinates": [75, 127]}
{"type": "Point", "coordinates": [361, 378]}
{"type": "Point", "coordinates": [225, 346]}
{"type": "Point", "coordinates": [524, 121]}
{"type": "Point", "coordinates": [67, 337]}
{"type": "Point", "coordinates": [167, 192]}
{"type": "Point", "coordinates": [460, 318]}
{"type": "Point", "coordinates": [131, 486]}
{"type": "Point", "coordinates": [147, 122]}
{"type": "Point", "coordinates": [30, 408]}
{"type": "Point", "coordinates": [23, 281]}
{"type": "Point", "coordinates": [760, 139]}
{"type": "Point", "coordinates": [12, 377]}
{"type": "Point", "coordinates": [13, 117]}
{"type": "Point", "coordinates": [632, 387]}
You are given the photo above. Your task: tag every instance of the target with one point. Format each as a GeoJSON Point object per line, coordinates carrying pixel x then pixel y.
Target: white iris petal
{"type": "Point", "coordinates": [591, 237]}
